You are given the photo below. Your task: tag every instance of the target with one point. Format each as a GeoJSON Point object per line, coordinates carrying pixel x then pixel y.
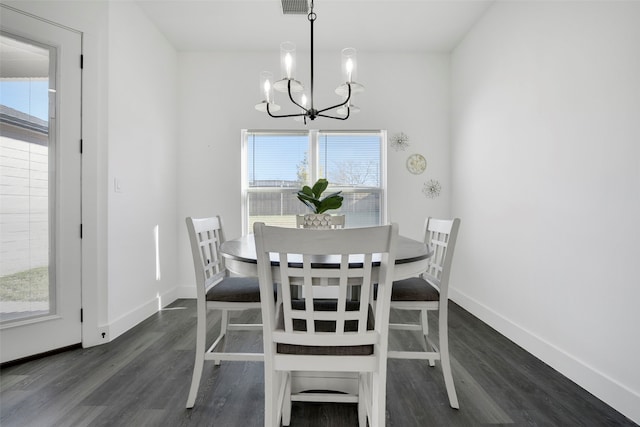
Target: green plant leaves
{"type": "Point", "coordinates": [310, 196]}
{"type": "Point", "coordinates": [333, 201]}
{"type": "Point", "coordinates": [319, 187]}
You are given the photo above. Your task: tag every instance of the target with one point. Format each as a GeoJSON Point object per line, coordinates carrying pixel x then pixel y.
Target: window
{"type": "Point", "coordinates": [277, 164]}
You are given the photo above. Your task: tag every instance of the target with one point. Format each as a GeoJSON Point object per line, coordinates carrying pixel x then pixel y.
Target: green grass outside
{"type": "Point", "coordinates": [28, 285]}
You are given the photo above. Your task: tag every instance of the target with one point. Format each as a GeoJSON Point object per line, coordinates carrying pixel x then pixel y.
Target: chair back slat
{"type": "Point", "coordinates": [205, 235]}
{"type": "Point", "coordinates": [209, 241]}
{"type": "Point", "coordinates": [441, 236]}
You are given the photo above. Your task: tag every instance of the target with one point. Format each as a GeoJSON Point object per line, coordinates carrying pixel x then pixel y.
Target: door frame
{"type": "Point", "coordinates": [67, 160]}
{"type": "Point", "coordinates": [92, 20]}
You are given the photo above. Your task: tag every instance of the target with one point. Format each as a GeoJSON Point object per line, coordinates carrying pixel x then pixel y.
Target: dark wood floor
{"type": "Point", "coordinates": [143, 377]}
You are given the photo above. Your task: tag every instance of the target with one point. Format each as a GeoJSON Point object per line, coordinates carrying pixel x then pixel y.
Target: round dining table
{"type": "Point", "coordinates": [412, 257]}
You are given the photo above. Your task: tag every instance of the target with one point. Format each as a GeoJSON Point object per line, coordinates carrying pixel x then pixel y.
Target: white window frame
{"type": "Point", "coordinates": [314, 141]}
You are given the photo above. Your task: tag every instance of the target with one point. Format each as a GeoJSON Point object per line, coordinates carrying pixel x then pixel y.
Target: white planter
{"type": "Point", "coordinates": [323, 221]}
{"type": "Point", "coordinates": [317, 220]}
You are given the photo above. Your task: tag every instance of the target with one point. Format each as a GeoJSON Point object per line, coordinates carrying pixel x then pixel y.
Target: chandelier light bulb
{"type": "Point", "coordinates": [288, 60]}
{"type": "Point", "coordinates": [287, 63]}
{"type": "Point", "coordinates": [267, 89]}
{"type": "Point", "coordinates": [301, 116]}
{"type": "Point", "coordinates": [349, 67]}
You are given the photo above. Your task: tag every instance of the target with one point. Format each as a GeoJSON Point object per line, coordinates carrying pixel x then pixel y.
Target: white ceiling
{"type": "Point", "coordinates": [369, 25]}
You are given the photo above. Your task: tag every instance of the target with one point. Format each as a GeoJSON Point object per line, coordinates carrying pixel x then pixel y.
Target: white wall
{"type": "Point", "coordinates": [217, 92]}
{"type": "Point", "coordinates": [142, 89]}
{"type": "Point", "coordinates": [130, 132]}
{"type": "Point", "coordinates": [546, 179]}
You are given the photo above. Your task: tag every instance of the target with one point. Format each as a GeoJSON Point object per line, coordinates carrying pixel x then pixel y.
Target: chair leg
{"type": "Point", "coordinates": [273, 396]}
{"type": "Point", "coordinates": [269, 397]}
{"type": "Point", "coordinates": [286, 401]}
{"type": "Point", "coordinates": [424, 321]}
{"type": "Point", "coordinates": [224, 322]}
{"type": "Point", "coordinates": [444, 357]}
{"type": "Point", "coordinates": [363, 399]}
{"type": "Point", "coordinates": [195, 380]}
{"type": "Point", "coordinates": [201, 337]}
{"type": "Point", "coordinates": [378, 399]}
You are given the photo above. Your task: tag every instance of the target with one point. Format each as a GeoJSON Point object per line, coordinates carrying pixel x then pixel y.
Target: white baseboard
{"type": "Point", "coordinates": [168, 297]}
{"type": "Point", "coordinates": [610, 391]}
{"type": "Point", "coordinates": [185, 291]}
{"type": "Point", "coordinates": [128, 320]}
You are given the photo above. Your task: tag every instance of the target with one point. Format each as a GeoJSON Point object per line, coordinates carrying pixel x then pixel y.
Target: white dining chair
{"type": "Point", "coordinates": [312, 334]}
{"type": "Point", "coordinates": [430, 291]}
{"type": "Point", "coordinates": [216, 290]}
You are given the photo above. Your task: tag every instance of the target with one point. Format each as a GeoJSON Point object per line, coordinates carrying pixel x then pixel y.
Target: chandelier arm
{"type": "Point", "coordinates": [291, 97]}
{"type": "Point", "coordinates": [335, 106]}
{"type": "Point", "coordinates": [334, 117]}
{"type": "Point", "coordinates": [277, 116]}
{"type": "Point", "coordinates": [346, 101]}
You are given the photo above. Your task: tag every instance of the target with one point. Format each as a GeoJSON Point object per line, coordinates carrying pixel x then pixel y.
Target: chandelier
{"type": "Point", "coordinates": [289, 85]}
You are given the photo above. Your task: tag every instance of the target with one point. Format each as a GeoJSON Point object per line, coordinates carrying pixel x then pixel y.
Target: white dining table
{"type": "Point", "coordinates": [412, 257]}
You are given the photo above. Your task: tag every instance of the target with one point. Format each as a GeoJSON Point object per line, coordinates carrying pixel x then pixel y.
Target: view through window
{"type": "Point", "coordinates": [277, 164]}
{"type": "Point", "coordinates": [25, 288]}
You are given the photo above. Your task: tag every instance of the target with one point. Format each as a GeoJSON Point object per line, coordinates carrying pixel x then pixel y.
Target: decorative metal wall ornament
{"type": "Point", "coordinates": [431, 189]}
{"type": "Point", "coordinates": [416, 164]}
{"type": "Point", "coordinates": [290, 85]}
{"type": "Point", "coordinates": [399, 141]}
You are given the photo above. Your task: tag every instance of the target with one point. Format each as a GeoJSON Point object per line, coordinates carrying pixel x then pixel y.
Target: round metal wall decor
{"type": "Point", "coordinates": [416, 164]}
{"type": "Point", "coordinates": [431, 189]}
{"type": "Point", "coordinates": [399, 141]}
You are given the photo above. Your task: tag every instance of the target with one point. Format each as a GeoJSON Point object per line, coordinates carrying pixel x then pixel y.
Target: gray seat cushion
{"type": "Point", "coordinates": [413, 289]}
{"type": "Point", "coordinates": [235, 289]}
{"type": "Point", "coordinates": [325, 326]}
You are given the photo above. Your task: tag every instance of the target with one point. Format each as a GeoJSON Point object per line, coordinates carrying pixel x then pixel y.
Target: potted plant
{"type": "Point", "coordinates": [312, 197]}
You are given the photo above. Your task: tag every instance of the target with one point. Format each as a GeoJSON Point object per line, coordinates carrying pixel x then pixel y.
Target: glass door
{"type": "Point", "coordinates": [40, 163]}
{"type": "Point", "coordinates": [25, 285]}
